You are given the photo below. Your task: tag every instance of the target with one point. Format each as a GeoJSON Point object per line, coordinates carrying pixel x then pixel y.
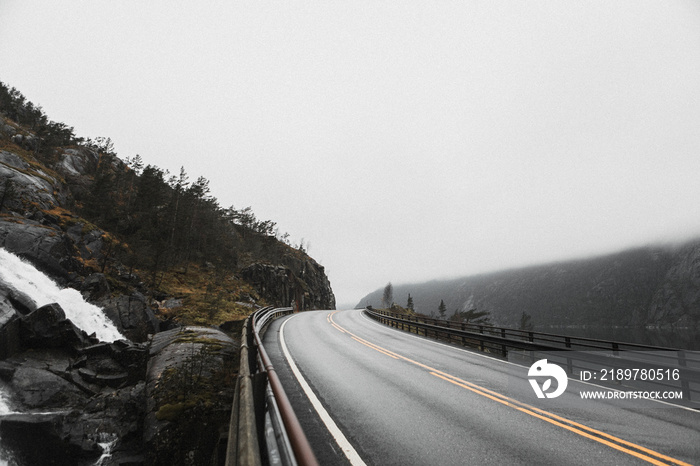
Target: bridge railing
{"type": "Point", "coordinates": [263, 429]}
{"type": "Point", "coordinates": [679, 369]}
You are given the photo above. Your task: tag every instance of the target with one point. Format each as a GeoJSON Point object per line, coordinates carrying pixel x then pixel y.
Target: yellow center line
{"type": "Point", "coordinates": [374, 347]}
{"type": "Point", "coordinates": [338, 328]}
{"type": "Point", "coordinates": [552, 418]}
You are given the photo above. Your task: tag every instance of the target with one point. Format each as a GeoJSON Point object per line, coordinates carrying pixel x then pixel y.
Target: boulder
{"type": "Point", "coordinates": [113, 364]}
{"type": "Point", "coordinates": [77, 162]}
{"type": "Point", "coordinates": [95, 287]}
{"type": "Point", "coordinates": [132, 315]}
{"type": "Point", "coordinates": [23, 433]}
{"type": "Point", "coordinates": [22, 303]}
{"type": "Point", "coordinates": [188, 391]}
{"type": "Point", "coordinates": [47, 327]}
{"type": "Point", "coordinates": [40, 388]}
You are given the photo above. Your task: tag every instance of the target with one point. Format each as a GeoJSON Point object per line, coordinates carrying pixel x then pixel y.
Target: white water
{"type": "Point", "coordinates": [107, 442]}
{"type": "Point", "coordinates": [4, 404]}
{"type": "Point", "coordinates": [4, 409]}
{"type": "Point", "coordinates": [4, 460]}
{"type": "Point", "coordinates": [22, 276]}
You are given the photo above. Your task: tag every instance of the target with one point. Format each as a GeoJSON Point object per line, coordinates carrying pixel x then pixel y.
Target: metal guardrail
{"type": "Point", "coordinates": [576, 354]}
{"type": "Point", "coordinates": [263, 429]}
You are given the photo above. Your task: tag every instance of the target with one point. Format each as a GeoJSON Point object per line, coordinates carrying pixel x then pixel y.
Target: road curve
{"type": "Point", "coordinates": [399, 399]}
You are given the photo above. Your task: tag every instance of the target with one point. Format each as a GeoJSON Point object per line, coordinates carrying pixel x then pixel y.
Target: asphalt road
{"type": "Point", "coordinates": [399, 399]}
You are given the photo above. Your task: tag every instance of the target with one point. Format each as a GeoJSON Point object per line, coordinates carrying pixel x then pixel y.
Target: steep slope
{"type": "Point", "coordinates": [146, 247]}
{"type": "Point", "coordinates": [162, 261]}
{"type": "Point", "coordinates": [653, 286]}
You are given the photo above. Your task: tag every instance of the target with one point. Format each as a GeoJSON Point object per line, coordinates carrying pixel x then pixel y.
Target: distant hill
{"type": "Point", "coordinates": [651, 286]}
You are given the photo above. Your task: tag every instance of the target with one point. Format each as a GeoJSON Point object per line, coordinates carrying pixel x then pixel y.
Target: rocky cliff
{"type": "Point", "coordinates": [302, 283]}
{"type": "Point", "coordinates": [35, 224]}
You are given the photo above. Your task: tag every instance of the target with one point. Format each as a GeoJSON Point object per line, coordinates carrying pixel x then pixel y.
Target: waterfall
{"type": "Point", "coordinates": [22, 276]}
{"type": "Point", "coordinates": [5, 409]}
{"type": "Point", "coordinates": [4, 404]}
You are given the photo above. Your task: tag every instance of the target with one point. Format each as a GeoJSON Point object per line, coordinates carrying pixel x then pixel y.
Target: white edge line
{"type": "Point", "coordinates": [518, 365]}
{"type": "Point", "coordinates": [350, 453]}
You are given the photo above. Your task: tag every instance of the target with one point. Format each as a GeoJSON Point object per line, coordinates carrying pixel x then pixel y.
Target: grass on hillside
{"type": "Point", "coordinates": [209, 297]}
{"type": "Point", "coordinates": [395, 308]}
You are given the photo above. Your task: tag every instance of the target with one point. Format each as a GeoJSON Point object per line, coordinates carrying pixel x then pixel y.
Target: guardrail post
{"type": "Point", "coordinates": [504, 350]}
{"type": "Point", "coordinates": [259, 386]}
{"type": "Point", "coordinates": [685, 385]}
{"type": "Point", "coordinates": [232, 442]}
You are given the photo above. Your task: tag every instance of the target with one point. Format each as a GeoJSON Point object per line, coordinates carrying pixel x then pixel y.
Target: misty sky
{"type": "Point", "coordinates": [404, 141]}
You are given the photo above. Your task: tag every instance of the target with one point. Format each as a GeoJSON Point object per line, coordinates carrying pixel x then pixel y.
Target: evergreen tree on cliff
{"type": "Point", "coordinates": [388, 297]}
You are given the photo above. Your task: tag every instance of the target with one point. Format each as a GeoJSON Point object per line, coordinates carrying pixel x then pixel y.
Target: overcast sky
{"type": "Point", "coordinates": [405, 140]}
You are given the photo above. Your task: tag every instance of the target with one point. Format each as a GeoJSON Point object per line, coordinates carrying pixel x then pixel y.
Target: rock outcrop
{"type": "Point", "coordinates": [303, 282]}
{"type": "Point", "coordinates": [131, 313]}
{"type": "Point", "coordinates": [31, 187]}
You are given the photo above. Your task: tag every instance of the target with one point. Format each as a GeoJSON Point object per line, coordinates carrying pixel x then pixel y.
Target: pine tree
{"type": "Point", "coordinates": [442, 309]}
{"type": "Point", "coordinates": [409, 302]}
{"type": "Point", "coordinates": [525, 321]}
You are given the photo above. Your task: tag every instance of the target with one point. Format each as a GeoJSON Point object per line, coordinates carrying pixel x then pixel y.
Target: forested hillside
{"type": "Point", "coordinates": [143, 229]}
{"type": "Point", "coordinates": [652, 286]}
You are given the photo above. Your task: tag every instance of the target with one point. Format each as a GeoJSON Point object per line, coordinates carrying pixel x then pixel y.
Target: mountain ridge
{"type": "Point", "coordinates": [651, 286]}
